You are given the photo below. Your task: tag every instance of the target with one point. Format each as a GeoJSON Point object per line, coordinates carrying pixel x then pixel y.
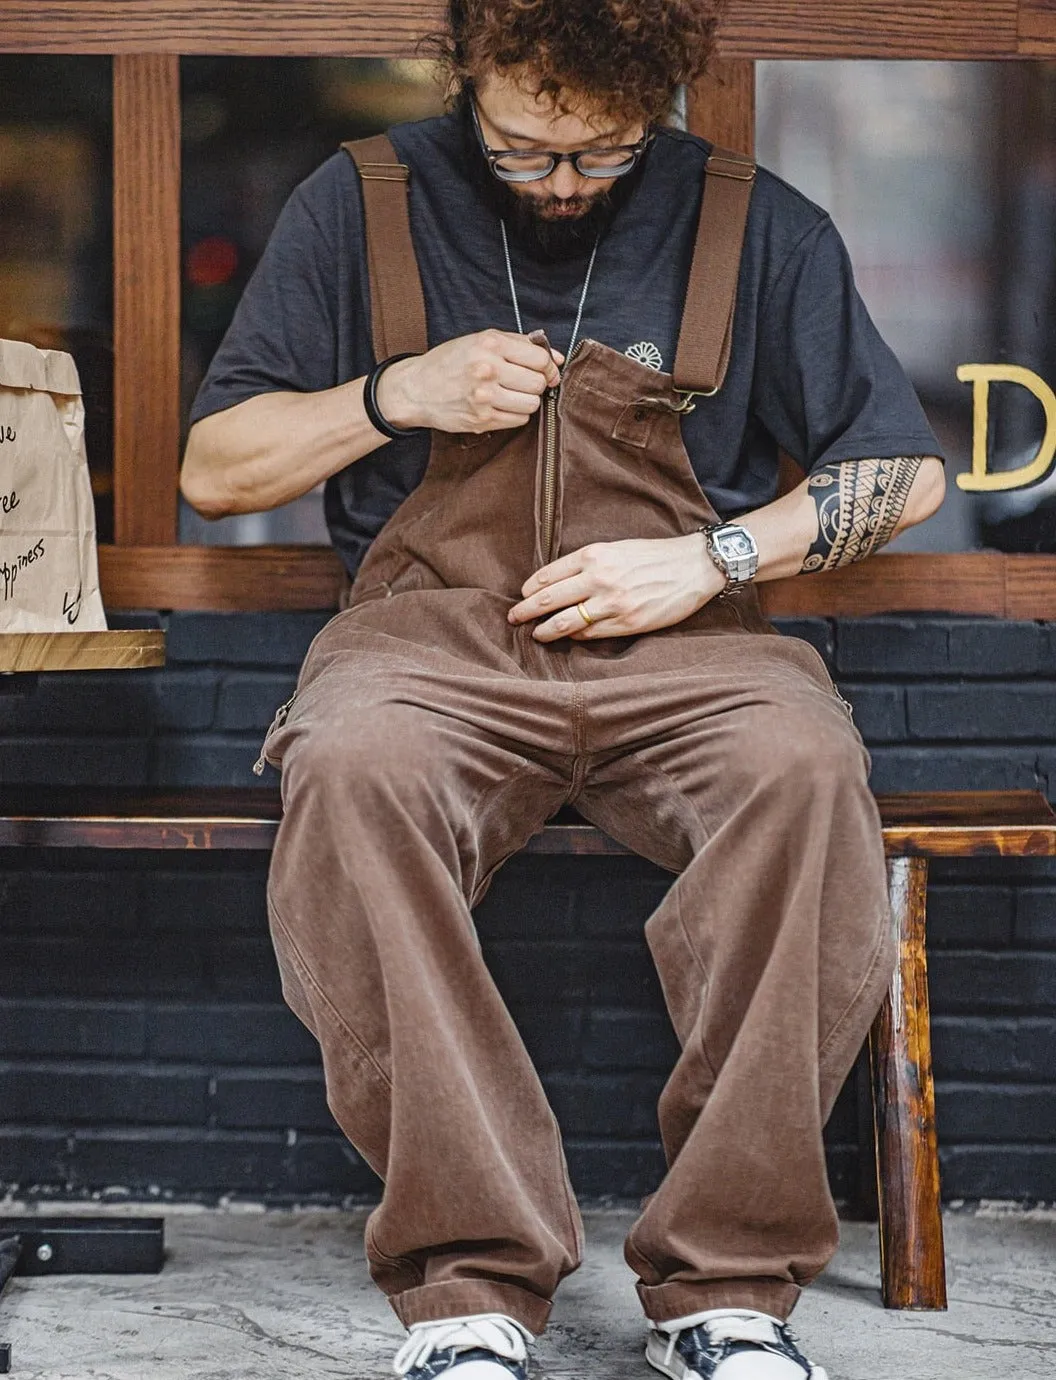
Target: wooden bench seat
{"type": "Point", "coordinates": [928, 824]}
{"type": "Point", "coordinates": [916, 827]}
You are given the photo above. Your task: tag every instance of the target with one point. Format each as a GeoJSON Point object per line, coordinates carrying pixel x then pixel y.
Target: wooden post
{"type": "Point", "coordinates": [912, 1256]}
{"type": "Point", "coordinates": [146, 297]}
{"type": "Point", "coordinates": [720, 107]}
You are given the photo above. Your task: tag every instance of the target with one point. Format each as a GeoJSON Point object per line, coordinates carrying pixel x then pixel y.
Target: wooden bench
{"type": "Point", "coordinates": [916, 828]}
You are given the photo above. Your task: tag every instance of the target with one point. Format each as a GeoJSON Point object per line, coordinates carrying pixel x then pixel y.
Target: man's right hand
{"type": "Point", "coordinates": [481, 382]}
{"type": "Point", "coordinates": [276, 446]}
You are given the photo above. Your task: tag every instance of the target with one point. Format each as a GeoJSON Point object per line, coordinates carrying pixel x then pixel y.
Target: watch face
{"type": "Point", "coordinates": [735, 544]}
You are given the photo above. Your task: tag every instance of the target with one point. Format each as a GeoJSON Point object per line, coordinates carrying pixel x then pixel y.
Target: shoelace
{"type": "Point", "coordinates": [731, 1329]}
{"type": "Point", "coordinates": [492, 1331]}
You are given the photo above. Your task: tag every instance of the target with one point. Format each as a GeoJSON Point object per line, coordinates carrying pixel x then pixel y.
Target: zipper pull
{"type": "Point", "coordinates": [277, 722]}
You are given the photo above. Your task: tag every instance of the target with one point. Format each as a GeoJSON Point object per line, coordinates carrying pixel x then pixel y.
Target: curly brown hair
{"type": "Point", "coordinates": [619, 58]}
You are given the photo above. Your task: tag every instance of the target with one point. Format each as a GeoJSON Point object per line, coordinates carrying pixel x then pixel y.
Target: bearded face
{"type": "Point", "coordinates": [559, 216]}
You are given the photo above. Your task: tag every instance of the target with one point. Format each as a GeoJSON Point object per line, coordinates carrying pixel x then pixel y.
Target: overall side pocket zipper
{"type": "Point", "coordinates": [846, 703]}
{"type": "Point", "coordinates": [276, 723]}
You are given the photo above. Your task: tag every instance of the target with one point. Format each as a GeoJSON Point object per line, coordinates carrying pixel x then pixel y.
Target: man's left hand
{"type": "Point", "coordinates": [627, 587]}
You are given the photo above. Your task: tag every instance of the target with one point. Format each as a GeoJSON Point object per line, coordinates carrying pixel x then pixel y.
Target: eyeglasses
{"type": "Point", "coordinates": [529, 165]}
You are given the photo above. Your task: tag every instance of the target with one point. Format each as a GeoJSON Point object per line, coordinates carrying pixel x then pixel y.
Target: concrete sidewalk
{"type": "Point", "coordinates": [247, 1294]}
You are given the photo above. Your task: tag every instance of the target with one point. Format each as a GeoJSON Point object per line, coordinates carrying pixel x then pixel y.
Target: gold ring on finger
{"type": "Point", "coordinates": [582, 609]}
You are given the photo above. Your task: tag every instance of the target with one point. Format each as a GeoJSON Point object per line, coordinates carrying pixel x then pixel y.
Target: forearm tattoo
{"type": "Point", "coordinates": [859, 504]}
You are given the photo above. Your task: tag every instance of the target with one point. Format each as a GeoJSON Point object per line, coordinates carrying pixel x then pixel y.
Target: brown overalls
{"type": "Point", "coordinates": [429, 739]}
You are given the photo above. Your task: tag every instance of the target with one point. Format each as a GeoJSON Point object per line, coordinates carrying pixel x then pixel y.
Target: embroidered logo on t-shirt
{"type": "Point", "coordinates": [645, 352]}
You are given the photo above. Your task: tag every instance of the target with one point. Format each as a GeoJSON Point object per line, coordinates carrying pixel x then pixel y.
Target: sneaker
{"type": "Point", "coordinates": [480, 1346]}
{"type": "Point", "coordinates": [728, 1344]}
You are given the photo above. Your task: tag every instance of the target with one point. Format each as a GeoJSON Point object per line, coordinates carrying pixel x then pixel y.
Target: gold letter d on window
{"type": "Point", "coordinates": [981, 376]}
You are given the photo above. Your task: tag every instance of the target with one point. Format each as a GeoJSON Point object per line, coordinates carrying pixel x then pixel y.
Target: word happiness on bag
{"type": "Point", "coordinates": [9, 573]}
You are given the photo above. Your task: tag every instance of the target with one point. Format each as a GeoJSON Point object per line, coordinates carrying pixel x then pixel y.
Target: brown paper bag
{"type": "Point", "coordinates": [49, 576]}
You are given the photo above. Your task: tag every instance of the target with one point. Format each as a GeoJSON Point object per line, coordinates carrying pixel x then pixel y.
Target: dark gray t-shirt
{"type": "Point", "coordinates": [808, 371]}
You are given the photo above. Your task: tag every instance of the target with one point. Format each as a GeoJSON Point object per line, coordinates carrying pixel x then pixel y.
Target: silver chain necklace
{"type": "Point", "coordinates": [582, 295]}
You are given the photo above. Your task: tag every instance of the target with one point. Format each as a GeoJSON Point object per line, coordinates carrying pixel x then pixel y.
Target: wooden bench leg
{"type": "Point", "coordinates": [912, 1256]}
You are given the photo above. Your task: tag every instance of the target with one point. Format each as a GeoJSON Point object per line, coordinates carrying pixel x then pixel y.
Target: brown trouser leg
{"type": "Point", "coordinates": [403, 789]}
{"type": "Point", "coordinates": [407, 778]}
{"type": "Point", "coordinates": [773, 948]}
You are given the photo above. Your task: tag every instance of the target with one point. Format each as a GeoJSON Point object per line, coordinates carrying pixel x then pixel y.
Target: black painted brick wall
{"type": "Point", "coordinates": [144, 1046]}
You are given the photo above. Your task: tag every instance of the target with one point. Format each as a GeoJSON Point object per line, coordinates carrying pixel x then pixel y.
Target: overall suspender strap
{"type": "Point", "coordinates": [397, 305]}
{"type": "Point", "coordinates": [704, 341]}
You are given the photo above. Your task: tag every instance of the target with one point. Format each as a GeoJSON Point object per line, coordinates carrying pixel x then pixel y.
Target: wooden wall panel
{"type": "Point", "coordinates": [146, 298]}
{"type": "Point", "coordinates": [870, 28]}
{"type": "Point", "coordinates": [1030, 586]}
{"type": "Point", "coordinates": [1037, 28]}
{"type": "Point", "coordinates": [222, 578]}
{"type": "Point", "coordinates": [385, 28]}
{"type": "Point", "coordinates": [312, 577]}
{"type": "Point", "coordinates": [969, 582]}
{"type": "Point", "coordinates": [390, 28]}
{"type": "Point", "coordinates": [721, 106]}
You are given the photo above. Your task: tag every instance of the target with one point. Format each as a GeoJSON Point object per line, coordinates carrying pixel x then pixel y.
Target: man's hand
{"type": "Point", "coordinates": [481, 382]}
{"type": "Point", "coordinates": [628, 587]}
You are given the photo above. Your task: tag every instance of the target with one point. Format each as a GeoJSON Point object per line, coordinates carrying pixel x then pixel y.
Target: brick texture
{"type": "Point", "coordinates": [145, 1047]}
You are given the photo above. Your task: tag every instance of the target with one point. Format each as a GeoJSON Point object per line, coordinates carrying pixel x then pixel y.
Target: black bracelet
{"type": "Point", "coordinates": [370, 401]}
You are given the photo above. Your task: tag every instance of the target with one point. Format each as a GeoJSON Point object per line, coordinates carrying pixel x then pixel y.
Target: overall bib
{"type": "Point", "coordinates": [429, 739]}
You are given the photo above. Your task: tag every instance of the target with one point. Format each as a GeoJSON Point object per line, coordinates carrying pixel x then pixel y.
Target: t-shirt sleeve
{"type": "Point", "coordinates": [827, 387]}
{"type": "Point", "coordinates": [284, 333]}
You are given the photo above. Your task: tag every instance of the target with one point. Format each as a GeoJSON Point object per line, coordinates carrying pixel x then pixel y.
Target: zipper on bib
{"type": "Point", "coordinates": [549, 472]}
{"type": "Point", "coordinates": [550, 401]}
{"type": "Point", "coordinates": [277, 722]}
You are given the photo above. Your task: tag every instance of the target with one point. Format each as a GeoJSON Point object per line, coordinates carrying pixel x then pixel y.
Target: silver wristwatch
{"type": "Point", "coordinates": [733, 549]}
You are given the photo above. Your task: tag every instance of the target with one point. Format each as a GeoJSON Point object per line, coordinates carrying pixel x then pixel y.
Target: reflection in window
{"type": "Point", "coordinates": [55, 231]}
{"type": "Point", "coordinates": [252, 129]}
{"type": "Point", "coordinates": [942, 179]}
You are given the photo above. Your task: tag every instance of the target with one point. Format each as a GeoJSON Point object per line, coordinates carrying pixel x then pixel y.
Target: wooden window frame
{"type": "Point", "coordinates": [146, 567]}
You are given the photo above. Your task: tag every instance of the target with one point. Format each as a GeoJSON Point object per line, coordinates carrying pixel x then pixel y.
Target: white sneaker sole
{"type": "Point", "coordinates": [656, 1348]}
{"type": "Point", "coordinates": [478, 1369]}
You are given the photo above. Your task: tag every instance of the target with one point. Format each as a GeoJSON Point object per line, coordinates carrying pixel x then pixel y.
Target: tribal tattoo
{"type": "Point", "coordinates": [859, 504]}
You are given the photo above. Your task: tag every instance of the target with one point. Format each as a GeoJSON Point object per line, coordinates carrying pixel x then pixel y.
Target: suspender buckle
{"type": "Point", "coordinates": [390, 172]}
{"type": "Point", "coordinates": [688, 394]}
{"type": "Point", "coordinates": [734, 168]}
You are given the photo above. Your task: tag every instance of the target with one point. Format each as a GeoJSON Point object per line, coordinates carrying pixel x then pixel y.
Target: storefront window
{"type": "Point", "coordinates": [252, 129]}
{"type": "Point", "coordinates": [942, 179]}
{"type": "Point", "coordinates": [56, 277]}
{"type": "Point", "coordinates": [940, 176]}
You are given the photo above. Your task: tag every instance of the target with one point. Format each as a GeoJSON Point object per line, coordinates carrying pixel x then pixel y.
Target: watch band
{"type": "Point", "coordinates": [370, 400]}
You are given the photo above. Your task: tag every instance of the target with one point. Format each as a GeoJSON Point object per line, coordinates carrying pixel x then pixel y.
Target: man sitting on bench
{"type": "Point", "coordinates": [544, 350]}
